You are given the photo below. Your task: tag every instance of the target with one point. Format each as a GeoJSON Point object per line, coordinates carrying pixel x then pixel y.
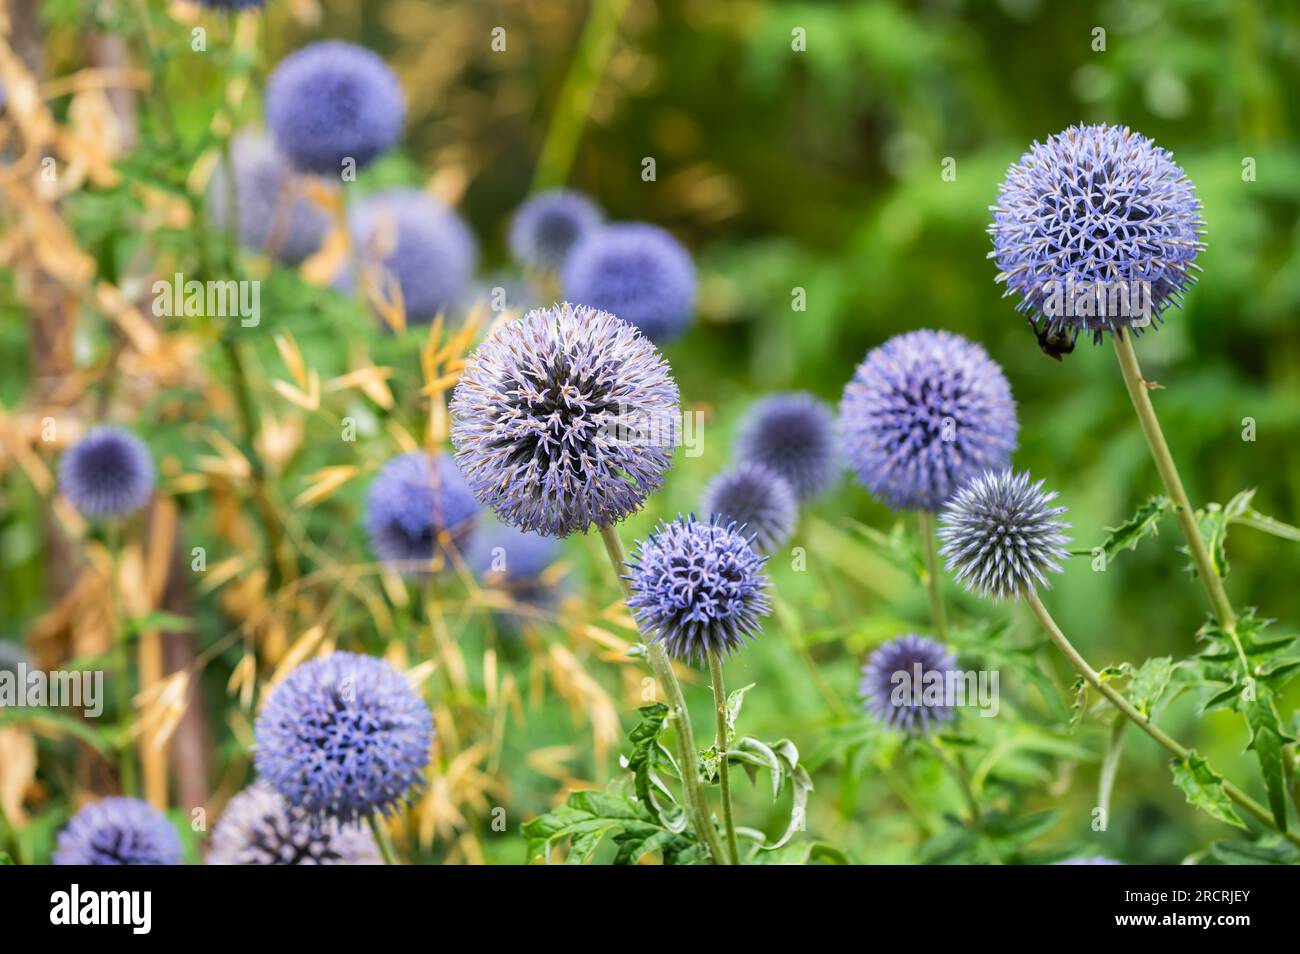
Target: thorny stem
{"type": "Point", "coordinates": [1125, 707]}
{"type": "Point", "coordinates": [720, 746]}
{"type": "Point", "coordinates": [687, 756]}
{"type": "Point", "coordinates": [382, 840]}
{"type": "Point", "coordinates": [935, 581]}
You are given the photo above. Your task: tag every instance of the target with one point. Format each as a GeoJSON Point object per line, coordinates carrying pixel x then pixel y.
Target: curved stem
{"type": "Point", "coordinates": [382, 840]}
{"type": "Point", "coordinates": [1129, 712]}
{"type": "Point", "coordinates": [720, 746]}
{"type": "Point", "coordinates": [935, 581]}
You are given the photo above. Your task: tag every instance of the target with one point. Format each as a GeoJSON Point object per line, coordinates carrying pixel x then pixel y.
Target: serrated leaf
{"type": "Point", "coordinates": [1144, 522]}
{"type": "Point", "coordinates": [1214, 521]}
{"type": "Point", "coordinates": [1266, 739]}
{"type": "Point", "coordinates": [1149, 682]}
{"type": "Point", "coordinates": [1204, 788]}
{"type": "Point", "coordinates": [647, 756]}
{"type": "Point", "coordinates": [1265, 851]}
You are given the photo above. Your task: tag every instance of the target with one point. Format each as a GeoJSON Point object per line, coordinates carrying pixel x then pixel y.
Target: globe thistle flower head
{"type": "Point", "coordinates": [331, 102]}
{"type": "Point", "coordinates": [635, 271]}
{"type": "Point", "coordinates": [1096, 215]}
{"type": "Point", "coordinates": [792, 435]}
{"type": "Point", "coordinates": [697, 588]}
{"type": "Point", "coordinates": [272, 214]}
{"type": "Point", "coordinates": [899, 680]}
{"type": "Point", "coordinates": [758, 500]}
{"type": "Point", "coordinates": [345, 736]}
{"type": "Point", "coordinates": [418, 508]}
{"type": "Point", "coordinates": [1001, 535]}
{"type": "Point", "coordinates": [409, 239]}
{"type": "Point", "coordinates": [259, 827]}
{"type": "Point", "coordinates": [563, 419]}
{"type": "Point", "coordinates": [547, 226]}
{"type": "Point", "coordinates": [118, 831]}
{"type": "Point", "coordinates": [108, 473]}
{"type": "Point", "coordinates": [924, 413]}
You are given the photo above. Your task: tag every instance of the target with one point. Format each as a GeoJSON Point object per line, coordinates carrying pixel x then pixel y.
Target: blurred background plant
{"type": "Point", "coordinates": [830, 167]}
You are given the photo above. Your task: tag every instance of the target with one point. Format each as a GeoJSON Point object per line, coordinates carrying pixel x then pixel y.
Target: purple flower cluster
{"type": "Point", "coordinates": [118, 831]}
{"type": "Point", "coordinates": [418, 507]}
{"type": "Point", "coordinates": [547, 227]}
{"type": "Point", "coordinates": [894, 682]}
{"type": "Point", "coordinates": [260, 828]}
{"type": "Point", "coordinates": [758, 500]}
{"type": "Point", "coordinates": [793, 435]}
{"type": "Point", "coordinates": [108, 473]}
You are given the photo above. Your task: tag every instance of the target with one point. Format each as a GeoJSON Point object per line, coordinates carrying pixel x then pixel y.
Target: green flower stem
{"type": "Point", "coordinates": [957, 769]}
{"type": "Point", "coordinates": [720, 746]}
{"type": "Point", "coordinates": [687, 754]}
{"type": "Point", "coordinates": [933, 578]}
{"type": "Point", "coordinates": [1264, 816]}
{"type": "Point", "coordinates": [1137, 392]}
{"type": "Point", "coordinates": [122, 656]}
{"type": "Point", "coordinates": [382, 840]}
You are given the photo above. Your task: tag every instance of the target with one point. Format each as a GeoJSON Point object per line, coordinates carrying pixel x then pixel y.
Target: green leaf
{"type": "Point", "coordinates": [1258, 521]}
{"type": "Point", "coordinates": [1267, 739]}
{"type": "Point", "coordinates": [1204, 788]}
{"type": "Point", "coordinates": [710, 756]}
{"type": "Point", "coordinates": [647, 757]}
{"type": "Point", "coordinates": [1269, 850]}
{"type": "Point", "coordinates": [1144, 522]}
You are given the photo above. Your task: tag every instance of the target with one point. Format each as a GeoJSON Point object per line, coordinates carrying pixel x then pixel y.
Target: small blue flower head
{"type": "Point", "coordinates": [344, 736]}
{"type": "Point", "coordinates": [637, 272]}
{"type": "Point", "coordinates": [1093, 860]}
{"type": "Point", "coordinates": [794, 436]}
{"type": "Point", "coordinates": [272, 213]}
{"type": "Point", "coordinates": [259, 827]}
{"type": "Point", "coordinates": [925, 412]}
{"type": "Point", "coordinates": [331, 102]}
{"type": "Point", "coordinates": [697, 588]}
{"type": "Point", "coordinates": [547, 226]}
{"type": "Point", "coordinates": [1096, 215]}
{"type": "Point", "coordinates": [409, 238]}
{"type": "Point", "coordinates": [1001, 535]}
{"type": "Point", "coordinates": [903, 684]}
{"type": "Point", "coordinates": [419, 507]}
{"type": "Point", "coordinates": [118, 831]}
{"type": "Point", "coordinates": [516, 562]}
{"type": "Point", "coordinates": [758, 500]}
{"type": "Point", "coordinates": [108, 473]}
{"type": "Point", "coordinates": [565, 418]}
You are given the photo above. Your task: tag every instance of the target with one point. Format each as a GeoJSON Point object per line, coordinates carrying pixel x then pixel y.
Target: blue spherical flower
{"type": "Point", "coordinates": [903, 684]}
{"type": "Point", "coordinates": [419, 507]}
{"type": "Point", "coordinates": [637, 272]}
{"type": "Point", "coordinates": [409, 238]}
{"type": "Point", "coordinates": [1001, 535]}
{"type": "Point", "coordinates": [758, 500]}
{"type": "Point", "coordinates": [697, 588]}
{"type": "Point", "coordinates": [794, 436]}
{"type": "Point", "coordinates": [272, 214]}
{"type": "Point", "coordinates": [1094, 860]}
{"type": "Point", "coordinates": [345, 736]}
{"type": "Point", "coordinates": [565, 418]}
{"type": "Point", "coordinates": [259, 827]}
{"type": "Point", "coordinates": [107, 474]}
{"type": "Point", "coordinates": [1099, 212]}
{"type": "Point", "coordinates": [547, 226]}
{"type": "Point", "coordinates": [118, 831]}
{"type": "Point", "coordinates": [925, 412]}
{"type": "Point", "coordinates": [331, 102]}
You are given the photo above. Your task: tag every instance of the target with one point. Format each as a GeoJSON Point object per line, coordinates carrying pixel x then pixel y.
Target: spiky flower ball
{"type": "Point", "coordinates": [334, 102]}
{"type": "Point", "coordinates": [259, 827]}
{"type": "Point", "coordinates": [108, 473]}
{"type": "Point", "coordinates": [118, 831]}
{"type": "Point", "coordinates": [924, 413]}
{"type": "Point", "coordinates": [895, 681]}
{"type": "Point", "coordinates": [1100, 210]}
{"type": "Point", "coordinates": [697, 588]}
{"type": "Point", "coordinates": [1001, 534]}
{"type": "Point", "coordinates": [792, 435]}
{"type": "Point", "coordinates": [547, 226]}
{"type": "Point", "coordinates": [758, 500]}
{"type": "Point", "coordinates": [408, 238]}
{"type": "Point", "coordinates": [272, 214]}
{"type": "Point", "coordinates": [563, 419]}
{"type": "Point", "coordinates": [635, 271]}
{"type": "Point", "coordinates": [344, 735]}
{"type": "Point", "coordinates": [419, 506]}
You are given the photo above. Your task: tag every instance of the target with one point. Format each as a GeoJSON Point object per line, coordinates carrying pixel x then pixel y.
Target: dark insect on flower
{"type": "Point", "coordinates": [344, 735]}
{"type": "Point", "coordinates": [925, 412]}
{"type": "Point", "coordinates": [261, 828]}
{"type": "Point", "coordinates": [637, 272]}
{"type": "Point", "coordinates": [758, 500]}
{"type": "Point", "coordinates": [107, 474]}
{"type": "Point", "coordinates": [118, 831]}
{"type": "Point", "coordinates": [904, 682]}
{"type": "Point", "coordinates": [1001, 535]}
{"type": "Point", "coordinates": [792, 435]}
{"type": "Point", "coordinates": [1056, 343]}
{"type": "Point", "coordinates": [419, 506]}
{"type": "Point", "coordinates": [1096, 230]}
{"type": "Point", "coordinates": [565, 418]}
{"type": "Point", "coordinates": [697, 588]}
{"type": "Point", "coordinates": [547, 226]}
{"type": "Point", "coordinates": [334, 102]}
